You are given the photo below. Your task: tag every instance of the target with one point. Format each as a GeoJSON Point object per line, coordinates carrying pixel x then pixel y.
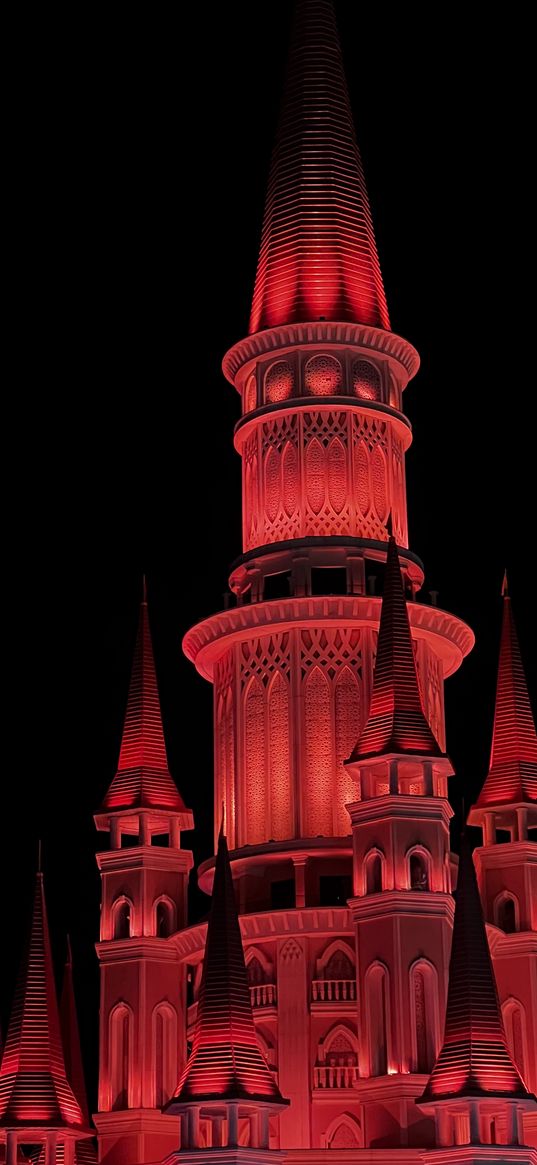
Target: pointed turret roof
{"type": "Point", "coordinates": [474, 1060]}
{"type": "Point", "coordinates": [34, 1089]}
{"type": "Point", "coordinates": [396, 722]}
{"type": "Point", "coordinates": [143, 780]}
{"type": "Point", "coordinates": [226, 1062]}
{"type": "Point", "coordinates": [318, 256]}
{"type": "Point", "coordinates": [512, 775]}
{"type": "Point", "coordinates": [71, 1037]}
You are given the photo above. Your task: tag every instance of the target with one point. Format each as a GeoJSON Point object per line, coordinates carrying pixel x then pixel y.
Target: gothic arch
{"type": "Point", "coordinates": [377, 1010]}
{"type": "Point", "coordinates": [330, 955]}
{"type": "Point", "coordinates": [418, 868]}
{"type": "Point", "coordinates": [343, 1133]}
{"type": "Point", "coordinates": [165, 916]}
{"type": "Point", "coordinates": [339, 1043]}
{"type": "Point", "coordinates": [374, 871]}
{"type": "Point", "coordinates": [256, 955]}
{"type": "Point", "coordinates": [514, 1019]}
{"type": "Point", "coordinates": [120, 1041]}
{"type": "Point", "coordinates": [122, 917]}
{"type": "Point", "coordinates": [507, 912]}
{"type": "Point", "coordinates": [165, 1044]}
{"type": "Point", "coordinates": [425, 1018]}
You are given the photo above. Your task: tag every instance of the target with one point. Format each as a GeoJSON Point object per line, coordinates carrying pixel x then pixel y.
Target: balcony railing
{"type": "Point", "coordinates": [335, 1075]}
{"type": "Point", "coordinates": [333, 990]}
{"type": "Point", "coordinates": [263, 995]}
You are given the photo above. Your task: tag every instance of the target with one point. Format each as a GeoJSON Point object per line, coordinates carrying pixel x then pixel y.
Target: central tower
{"type": "Point", "coordinates": [323, 438]}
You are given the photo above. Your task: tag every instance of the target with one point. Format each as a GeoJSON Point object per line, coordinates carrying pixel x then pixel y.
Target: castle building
{"type": "Point", "coordinates": [340, 1004]}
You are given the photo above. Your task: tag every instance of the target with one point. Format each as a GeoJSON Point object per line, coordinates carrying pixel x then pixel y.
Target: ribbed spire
{"type": "Point", "coordinates": [226, 1062]}
{"type": "Point", "coordinates": [34, 1089]}
{"type": "Point", "coordinates": [71, 1037]}
{"type": "Point", "coordinates": [318, 254]}
{"type": "Point", "coordinates": [143, 780]}
{"type": "Point", "coordinates": [396, 721]}
{"type": "Point", "coordinates": [512, 776]}
{"type": "Point", "coordinates": [474, 1060]}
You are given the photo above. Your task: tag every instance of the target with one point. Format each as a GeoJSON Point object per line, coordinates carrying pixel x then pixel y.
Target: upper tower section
{"type": "Point", "coordinates": [321, 376]}
{"type": "Point", "coordinates": [318, 257]}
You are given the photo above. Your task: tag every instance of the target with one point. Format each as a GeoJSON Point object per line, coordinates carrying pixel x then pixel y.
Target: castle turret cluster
{"type": "Point", "coordinates": [347, 998]}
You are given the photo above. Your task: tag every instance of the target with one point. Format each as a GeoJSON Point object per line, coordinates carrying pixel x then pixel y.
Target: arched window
{"type": "Point", "coordinates": [122, 918]}
{"type": "Point", "coordinates": [373, 873]}
{"type": "Point", "coordinates": [424, 1011]}
{"type": "Point", "coordinates": [506, 913]}
{"type": "Point", "coordinates": [120, 1055]}
{"type": "Point", "coordinates": [377, 1011]}
{"type": "Point", "coordinates": [164, 1052]}
{"type": "Point", "coordinates": [256, 973]}
{"type": "Point", "coordinates": [164, 918]}
{"type": "Point", "coordinates": [514, 1018]}
{"type": "Point", "coordinates": [343, 1133]}
{"type": "Point", "coordinates": [339, 966]}
{"type": "Point", "coordinates": [418, 870]}
{"type": "Point", "coordinates": [340, 1049]}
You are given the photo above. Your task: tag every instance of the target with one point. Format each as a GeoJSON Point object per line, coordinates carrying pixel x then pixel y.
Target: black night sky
{"type": "Point", "coordinates": [137, 161]}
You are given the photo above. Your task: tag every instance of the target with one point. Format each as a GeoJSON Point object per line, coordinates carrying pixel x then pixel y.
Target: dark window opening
{"type": "Point", "coordinates": [334, 889]}
{"type": "Point", "coordinates": [276, 586]}
{"type": "Point", "coordinates": [129, 840]}
{"type": "Point", "coordinates": [329, 580]}
{"type": "Point", "coordinates": [532, 833]}
{"type": "Point", "coordinates": [190, 986]}
{"type": "Point", "coordinates": [419, 878]}
{"type": "Point", "coordinates": [507, 916]}
{"type": "Point", "coordinates": [162, 839]}
{"type": "Point", "coordinates": [282, 894]}
{"type": "Point", "coordinates": [503, 836]}
{"type": "Point", "coordinates": [122, 921]}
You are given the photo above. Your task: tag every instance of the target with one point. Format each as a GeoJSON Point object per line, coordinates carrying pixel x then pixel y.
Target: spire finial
{"type": "Point", "coordinates": [69, 959]}
{"type": "Point", "coordinates": [222, 832]}
{"type": "Point", "coordinates": [389, 525]}
{"type": "Point", "coordinates": [505, 585]}
{"type": "Point", "coordinates": [144, 590]}
{"type": "Point", "coordinates": [40, 857]}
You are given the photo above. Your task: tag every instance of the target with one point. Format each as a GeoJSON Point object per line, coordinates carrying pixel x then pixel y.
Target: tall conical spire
{"type": "Point", "coordinates": [71, 1037]}
{"type": "Point", "coordinates": [512, 775]}
{"type": "Point", "coordinates": [143, 780]}
{"type": "Point", "coordinates": [226, 1062]}
{"type": "Point", "coordinates": [318, 256]}
{"type": "Point", "coordinates": [396, 721]}
{"type": "Point", "coordinates": [474, 1059]}
{"type": "Point", "coordinates": [34, 1090]}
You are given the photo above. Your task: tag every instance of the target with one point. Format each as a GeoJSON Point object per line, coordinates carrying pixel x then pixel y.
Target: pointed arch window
{"type": "Point", "coordinates": [164, 1052]}
{"type": "Point", "coordinates": [424, 1013]}
{"type": "Point", "coordinates": [122, 916]}
{"type": "Point", "coordinates": [165, 917]}
{"type": "Point", "coordinates": [377, 1011]}
{"type": "Point", "coordinates": [419, 869]}
{"type": "Point", "coordinates": [373, 872]}
{"type": "Point", "coordinates": [514, 1018]}
{"type": "Point", "coordinates": [120, 1056]}
{"type": "Point", "coordinates": [506, 913]}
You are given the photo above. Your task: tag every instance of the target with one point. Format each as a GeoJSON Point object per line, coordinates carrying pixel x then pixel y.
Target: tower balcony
{"type": "Point", "coordinates": [335, 991]}
{"type": "Point", "coordinates": [263, 996]}
{"type": "Point", "coordinates": [335, 1076]}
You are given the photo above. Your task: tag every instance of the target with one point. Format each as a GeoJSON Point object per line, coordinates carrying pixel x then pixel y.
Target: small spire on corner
{"type": "Point", "coordinates": [144, 589]}
{"type": "Point", "coordinates": [222, 832]}
{"type": "Point", "coordinates": [389, 525]}
{"type": "Point", "coordinates": [69, 956]}
{"type": "Point", "coordinates": [505, 585]}
{"type": "Point", "coordinates": [39, 857]}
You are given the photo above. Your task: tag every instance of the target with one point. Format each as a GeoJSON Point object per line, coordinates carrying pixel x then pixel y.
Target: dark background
{"type": "Point", "coordinates": [137, 157]}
